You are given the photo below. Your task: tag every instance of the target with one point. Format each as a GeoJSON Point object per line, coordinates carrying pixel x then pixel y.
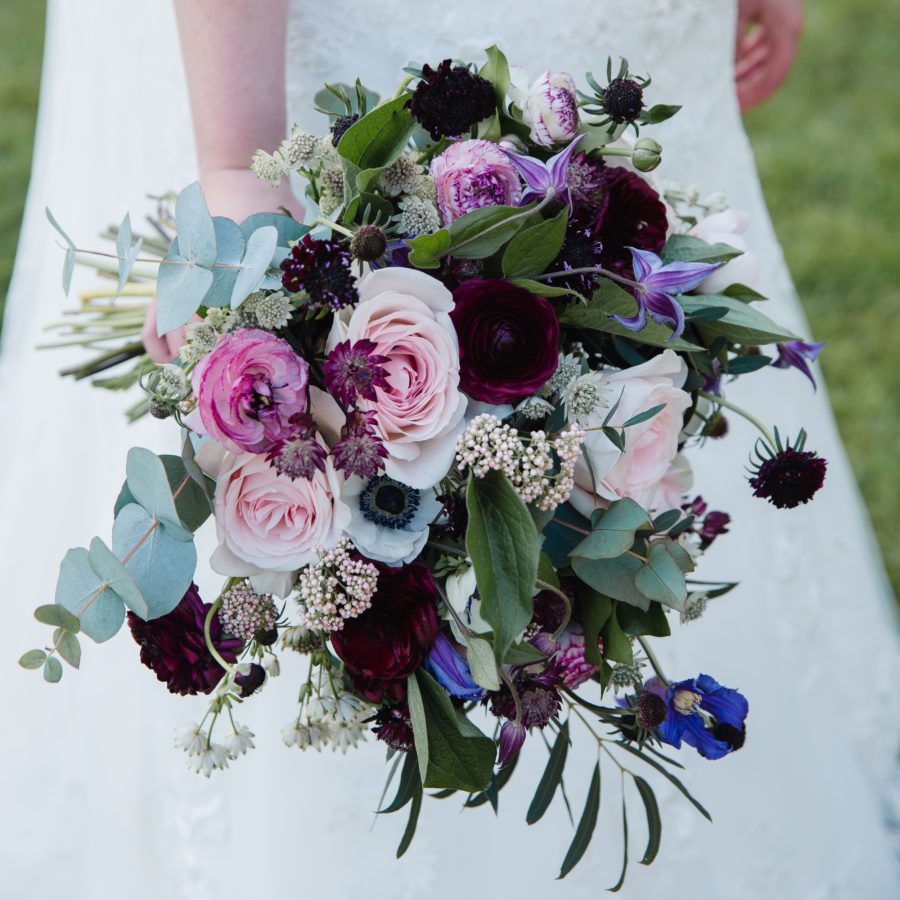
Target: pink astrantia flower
{"type": "Point", "coordinates": [247, 390]}
{"type": "Point", "coordinates": [471, 174]}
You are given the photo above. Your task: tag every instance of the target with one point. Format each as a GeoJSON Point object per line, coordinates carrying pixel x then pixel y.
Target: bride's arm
{"type": "Point", "coordinates": [233, 52]}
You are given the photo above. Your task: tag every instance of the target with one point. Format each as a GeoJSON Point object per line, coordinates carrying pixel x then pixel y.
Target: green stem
{"type": "Point", "coordinates": [591, 270]}
{"type": "Point", "coordinates": [321, 220]}
{"type": "Point", "coordinates": [653, 661]}
{"type": "Point", "coordinates": [209, 644]}
{"type": "Point", "coordinates": [544, 586]}
{"type": "Point", "coordinates": [403, 85]}
{"type": "Point", "coordinates": [721, 401]}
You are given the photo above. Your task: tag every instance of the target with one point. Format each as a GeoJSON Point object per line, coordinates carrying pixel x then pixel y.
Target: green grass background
{"type": "Point", "coordinates": [828, 147]}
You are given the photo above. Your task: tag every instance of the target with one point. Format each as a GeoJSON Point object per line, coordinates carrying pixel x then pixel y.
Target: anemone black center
{"type": "Point", "coordinates": [388, 502]}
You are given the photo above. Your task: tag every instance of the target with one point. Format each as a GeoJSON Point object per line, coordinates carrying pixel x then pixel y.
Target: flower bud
{"type": "Point", "coordinates": [647, 154]}
{"type": "Point", "coordinates": [551, 109]}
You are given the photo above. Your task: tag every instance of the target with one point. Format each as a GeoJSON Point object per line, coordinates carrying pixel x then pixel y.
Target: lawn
{"type": "Point", "coordinates": [828, 148]}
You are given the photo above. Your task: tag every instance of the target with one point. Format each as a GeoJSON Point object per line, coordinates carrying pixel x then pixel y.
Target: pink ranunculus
{"type": "Point", "coordinates": [268, 525]}
{"type": "Point", "coordinates": [650, 446]}
{"type": "Point", "coordinates": [471, 174]}
{"type": "Point", "coordinates": [551, 109]}
{"type": "Point", "coordinates": [728, 227]}
{"type": "Point", "coordinates": [247, 389]}
{"type": "Point", "coordinates": [674, 485]}
{"type": "Point", "coordinates": [419, 413]}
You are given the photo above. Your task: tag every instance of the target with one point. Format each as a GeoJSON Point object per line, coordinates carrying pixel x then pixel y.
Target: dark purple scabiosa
{"type": "Point", "coordinates": [394, 728]}
{"type": "Point", "coordinates": [581, 249]}
{"type": "Point", "coordinates": [359, 451]}
{"type": "Point", "coordinates": [340, 126]}
{"type": "Point", "coordinates": [798, 355]}
{"type": "Point", "coordinates": [508, 340]}
{"type": "Point", "coordinates": [369, 244]}
{"type": "Point", "coordinates": [301, 455]}
{"type": "Point", "coordinates": [250, 679]}
{"type": "Point", "coordinates": [787, 476]}
{"type": "Point", "coordinates": [450, 99]}
{"type": "Point", "coordinates": [320, 268]}
{"type": "Point", "coordinates": [173, 646]}
{"type": "Point", "coordinates": [715, 523]}
{"type": "Point", "coordinates": [623, 100]}
{"type": "Point", "coordinates": [353, 371]}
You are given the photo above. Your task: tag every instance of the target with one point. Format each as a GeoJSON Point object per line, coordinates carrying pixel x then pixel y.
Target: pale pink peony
{"type": "Point", "coordinates": [728, 227]}
{"type": "Point", "coordinates": [471, 174]}
{"type": "Point", "coordinates": [247, 389]}
{"type": "Point", "coordinates": [550, 107]}
{"type": "Point", "coordinates": [650, 446]}
{"type": "Point", "coordinates": [268, 525]}
{"type": "Point", "coordinates": [419, 414]}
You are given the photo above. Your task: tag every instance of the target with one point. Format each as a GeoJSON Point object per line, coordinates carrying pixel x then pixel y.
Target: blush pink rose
{"type": "Point", "coordinates": [650, 446]}
{"type": "Point", "coordinates": [471, 174]}
{"type": "Point", "coordinates": [674, 485]}
{"type": "Point", "coordinates": [419, 414]}
{"type": "Point", "coordinates": [268, 525]}
{"type": "Point", "coordinates": [247, 390]}
{"type": "Point", "coordinates": [728, 227]}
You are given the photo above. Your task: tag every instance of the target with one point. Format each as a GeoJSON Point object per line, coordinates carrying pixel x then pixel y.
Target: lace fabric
{"type": "Point", "coordinates": [809, 636]}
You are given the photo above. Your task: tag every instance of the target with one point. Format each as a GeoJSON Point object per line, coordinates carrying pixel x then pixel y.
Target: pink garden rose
{"type": "Point", "coordinates": [471, 174]}
{"type": "Point", "coordinates": [550, 107]}
{"type": "Point", "coordinates": [728, 227]}
{"type": "Point", "coordinates": [674, 485]}
{"type": "Point", "coordinates": [419, 413]}
{"type": "Point", "coordinates": [247, 389]}
{"type": "Point", "coordinates": [269, 526]}
{"type": "Point", "coordinates": [650, 446]}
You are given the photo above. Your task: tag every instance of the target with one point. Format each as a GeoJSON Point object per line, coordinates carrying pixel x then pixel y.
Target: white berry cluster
{"type": "Point", "coordinates": [336, 588]}
{"type": "Point", "coordinates": [489, 445]}
{"type": "Point", "coordinates": [417, 216]}
{"type": "Point", "coordinates": [400, 177]}
{"type": "Point", "coordinates": [244, 613]}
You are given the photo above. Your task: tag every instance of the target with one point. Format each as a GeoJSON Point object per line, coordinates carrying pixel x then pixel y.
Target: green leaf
{"type": "Point", "coordinates": [685, 248]}
{"type": "Point", "coordinates": [609, 299]}
{"type": "Point", "coordinates": [230, 247]}
{"type": "Point", "coordinates": [616, 644]}
{"type": "Point", "coordinates": [67, 647]}
{"type": "Point", "coordinates": [480, 656]}
{"type": "Point", "coordinates": [368, 205]}
{"type": "Point", "coordinates": [661, 577]}
{"type": "Point", "coordinates": [180, 289]}
{"type": "Point", "coordinates": [644, 416]}
{"type": "Point", "coordinates": [546, 290]}
{"type": "Point", "coordinates": [146, 478]}
{"type": "Point", "coordinates": [107, 567]}
{"type": "Point", "coordinates": [522, 654]}
{"type": "Point", "coordinates": [502, 543]}
{"type": "Point", "coordinates": [742, 292]}
{"type": "Point", "coordinates": [658, 113]}
{"type": "Point", "coordinates": [52, 669]}
{"type": "Point", "coordinates": [595, 609]}
{"type": "Point", "coordinates": [551, 778]}
{"type": "Point", "coordinates": [380, 136]}
{"type": "Point", "coordinates": [546, 572]}
{"type": "Point", "coordinates": [194, 225]}
{"type": "Point", "coordinates": [126, 252]}
{"type": "Point", "coordinates": [586, 825]}
{"type": "Point", "coordinates": [427, 249]}
{"type": "Point", "coordinates": [498, 781]}
{"type": "Point", "coordinates": [618, 885]}
{"type": "Point", "coordinates": [635, 622]}
{"type": "Point", "coordinates": [654, 821]}
{"type": "Point", "coordinates": [59, 229]}
{"type": "Point", "coordinates": [33, 659]}
{"type": "Point", "coordinates": [411, 823]}
{"type": "Point", "coordinates": [612, 577]}
{"type": "Point", "coordinates": [496, 71]}
{"type": "Point", "coordinates": [664, 521]}
{"type": "Point", "coordinates": [451, 751]}
{"type": "Point", "coordinates": [613, 532]}
{"type": "Point", "coordinates": [742, 325]}
{"type": "Point", "coordinates": [565, 531]}
{"type": "Point", "coordinates": [99, 609]}
{"type": "Point", "coordinates": [535, 247]}
{"type": "Point", "coordinates": [68, 270]}
{"type": "Point", "coordinates": [409, 781]}
{"type": "Point", "coordinates": [257, 258]}
{"type": "Point", "coordinates": [484, 231]}
{"type": "Point", "coordinates": [58, 617]}
{"type": "Point", "coordinates": [742, 365]}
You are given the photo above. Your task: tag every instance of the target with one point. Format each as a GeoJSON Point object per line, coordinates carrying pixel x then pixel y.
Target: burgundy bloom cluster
{"type": "Point", "coordinates": [173, 646]}
{"type": "Point", "coordinates": [301, 455]}
{"type": "Point", "coordinates": [713, 524]}
{"type": "Point", "coordinates": [789, 477]}
{"type": "Point", "coordinates": [391, 639]}
{"type": "Point", "coordinates": [321, 268]}
{"type": "Point", "coordinates": [450, 99]}
{"type": "Point", "coordinates": [360, 451]}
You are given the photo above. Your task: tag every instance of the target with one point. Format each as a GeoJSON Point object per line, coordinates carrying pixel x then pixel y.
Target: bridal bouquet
{"type": "Point", "coordinates": [443, 430]}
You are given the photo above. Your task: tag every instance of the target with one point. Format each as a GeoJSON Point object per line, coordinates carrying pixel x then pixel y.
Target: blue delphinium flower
{"type": "Point", "coordinates": [452, 671]}
{"type": "Point", "coordinates": [542, 177]}
{"type": "Point", "coordinates": [702, 713]}
{"type": "Point", "coordinates": [659, 283]}
{"type": "Point", "coordinates": [798, 354]}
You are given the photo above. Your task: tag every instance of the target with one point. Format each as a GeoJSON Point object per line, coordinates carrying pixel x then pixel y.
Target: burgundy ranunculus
{"type": "Point", "coordinates": [629, 214]}
{"type": "Point", "coordinates": [508, 340]}
{"type": "Point", "coordinates": [391, 639]}
{"type": "Point", "coordinates": [173, 646]}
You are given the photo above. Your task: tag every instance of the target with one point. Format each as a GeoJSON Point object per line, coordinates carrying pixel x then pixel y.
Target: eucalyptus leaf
{"type": "Point", "coordinates": [181, 287]}
{"type": "Point", "coordinates": [67, 647]}
{"type": "Point", "coordinates": [563, 533]}
{"type": "Point", "coordinates": [742, 325]}
{"type": "Point", "coordinates": [654, 821]}
{"type": "Point", "coordinates": [380, 136]}
{"type": "Point", "coordinates": [614, 531]}
{"type": "Point", "coordinates": [108, 568]}
{"type": "Point", "coordinates": [288, 228]}
{"type": "Point", "coordinates": [742, 365]}
{"type": "Point", "coordinates": [551, 776]}
{"type": "Point", "coordinates": [58, 617]}
{"type": "Point", "coordinates": [686, 248]}
{"type": "Point", "coordinates": [612, 577]}
{"type": "Point", "coordinates": [68, 270]}
{"type": "Point", "coordinates": [149, 485]}
{"type": "Point", "coordinates": [255, 263]}
{"type": "Point", "coordinates": [661, 577]}
{"type": "Point", "coordinates": [33, 659]}
{"type": "Point", "coordinates": [586, 825]}
{"type": "Point", "coordinates": [664, 521]}
{"type": "Point", "coordinates": [126, 252]}
{"type": "Point", "coordinates": [230, 251]}
{"type": "Point", "coordinates": [535, 247]}
{"type": "Point", "coordinates": [196, 232]}
{"type": "Point", "coordinates": [52, 669]}
{"type": "Point", "coordinates": [502, 543]}
{"type": "Point", "coordinates": [59, 229]}
{"type": "Point", "coordinates": [99, 609]}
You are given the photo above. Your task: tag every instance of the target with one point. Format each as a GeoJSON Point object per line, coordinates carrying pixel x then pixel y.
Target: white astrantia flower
{"type": "Point", "coordinates": [239, 741]}
{"type": "Point", "coordinates": [388, 519]}
{"type": "Point", "coordinates": [305, 734]}
{"type": "Point", "coordinates": [191, 738]}
{"type": "Point", "coordinates": [460, 591]}
{"type": "Point", "coordinates": [272, 666]}
{"type": "Point", "coordinates": [347, 735]}
{"type": "Point", "coordinates": [213, 757]}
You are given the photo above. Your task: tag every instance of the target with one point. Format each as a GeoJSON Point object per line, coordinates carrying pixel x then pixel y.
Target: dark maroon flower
{"type": "Point", "coordinates": [454, 518]}
{"type": "Point", "coordinates": [390, 640]}
{"type": "Point", "coordinates": [508, 340]}
{"type": "Point", "coordinates": [629, 214]}
{"type": "Point", "coordinates": [789, 477]}
{"type": "Point", "coordinates": [301, 455]}
{"type": "Point", "coordinates": [354, 371]}
{"type": "Point", "coordinates": [393, 726]}
{"type": "Point", "coordinates": [174, 647]}
{"type": "Point", "coordinates": [714, 524]}
{"type": "Point", "coordinates": [340, 127]}
{"type": "Point", "coordinates": [538, 698]}
{"type": "Point", "coordinates": [251, 680]}
{"type": "Point", "coordinates": [580, 250]}
{"type": "Point", "coordinates": [697, 506]}
{"type": "Point", "coordinates": [322, 269]}
{"type": "Point", "coordinates": [623, 100]}
{"type": "Point", "coordinates": [359, 451]}
{"type": "Point", "coordinates": [450, 99]}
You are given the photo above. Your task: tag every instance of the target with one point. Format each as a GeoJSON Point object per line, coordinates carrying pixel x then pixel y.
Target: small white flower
{"type": "Point", "coordinates": [305, 734]}
{"type": "Point", "coordinates": [272, 666]}
{"type": "Point", "coordinates": [400, 177]}
{"type": "Point", "coordinates": [239, 741]}
{"type": "Point", "coordinates": [268, 167]}
{"type": "Point", "coordinates": [191, 738]}
{"type": "Point", "coordinates": [460, 589]}
{"type": "Point", "coordinates": [213, 757]}
{"type": "Point", "coordinates": [346, 735]}
{"type": "Point", "coordinates": [274, 312]}
{"type": "Point", "coordinates": [417, 216]}
{"type": "Point", "coordinates": [694, 606]}
{"type": "Point", "coordinates": [300, 148]}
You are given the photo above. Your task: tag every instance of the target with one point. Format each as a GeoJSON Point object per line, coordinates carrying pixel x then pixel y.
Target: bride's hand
{"type": "Point", "coordinates": [237, 194]}
{"type": "Point", "coordinates": [767, 37]}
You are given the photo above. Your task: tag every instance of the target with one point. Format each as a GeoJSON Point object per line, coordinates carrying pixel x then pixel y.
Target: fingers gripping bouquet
{"type": "Point", "coordinates": [443, 430]}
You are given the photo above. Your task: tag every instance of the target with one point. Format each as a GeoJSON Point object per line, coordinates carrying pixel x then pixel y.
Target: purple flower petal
{"type": "Point", "coordinates": [680, 277]}
{"type": "Point", "coordinates": [795, 354]}
{"type": "Point", "coordinates": [665, 310]}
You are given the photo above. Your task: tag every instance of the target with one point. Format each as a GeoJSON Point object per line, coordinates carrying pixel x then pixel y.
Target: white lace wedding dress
{"type": "Point", "coordinates": [97, 806]}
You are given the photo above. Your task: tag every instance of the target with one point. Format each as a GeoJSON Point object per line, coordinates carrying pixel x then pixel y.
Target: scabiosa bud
{"type": "Point", "coordinates": [359, 451]}
{"type": "Point", "coordinates": [301, 455]}
{"type": "Point", "coordinates": [650, 710]}
{"type": "Point", "coordinates": [647, 154]}
{"type": "Point", "coordinates": [251, 680]}
{"type": "Point", "coordinates": [788, 477]}
{"type": "Point", "coordinates": [393, 726]}
{"type": "Point", "coordinates": [354, 371]}
{"type": "Point", "coordinates": [623, 100]}
{"type": "Point", "coordinates": [716, 426]}
{"type": "Point", "coordinates": [368, 244]}
{"type": "Point", "coordinates": [340, 126]}
{"type": "Point", "coordinates": [449, 100]}
{"type": "Point", "coordinates": [321, 268]}
{"type": "Point", "coordinates": [159, 409]}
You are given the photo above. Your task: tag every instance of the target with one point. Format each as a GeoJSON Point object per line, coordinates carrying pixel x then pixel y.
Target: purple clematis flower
{"type": "Point", "coordinates": [798, 354]}
{"type": "Point", "coordinates": [542, 177]}
{"type": "Point", "coordinates": [659, 283]}
{"type": "Point", "coordinates": [452, 671]}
